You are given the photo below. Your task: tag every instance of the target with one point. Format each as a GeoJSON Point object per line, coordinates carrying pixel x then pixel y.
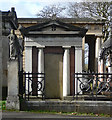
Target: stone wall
{"type": "Point", "coordinates": [4, 53]}
{"type": "Point", "coordinates": [0, 63]}
{"type": "Point", "coordinates": [3, 64]}
{"type": "Point", "coordinates": [0, 55]}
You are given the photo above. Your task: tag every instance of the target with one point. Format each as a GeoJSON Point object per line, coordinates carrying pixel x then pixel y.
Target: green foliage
{"type": "Point", "coordinates": [2, 105]}
{"type": "Point", "coordinates": [96, 10]}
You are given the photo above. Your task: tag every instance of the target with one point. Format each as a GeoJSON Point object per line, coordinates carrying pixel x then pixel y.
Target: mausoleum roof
{"type": "Point", "coordinates": [93, 20]}
{"type": "Point", "coordinates": [63, 29]}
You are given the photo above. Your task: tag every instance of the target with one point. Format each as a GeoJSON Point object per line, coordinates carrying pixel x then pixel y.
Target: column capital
{"type": "Point", "coordinates": [99, 35]}
{"type": "Point", "coordinates": [40, 47]}
{"type": "Point", "coordinates": [66, 47]}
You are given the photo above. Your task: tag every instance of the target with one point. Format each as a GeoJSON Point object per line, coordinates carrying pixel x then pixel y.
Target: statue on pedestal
{"type": "Point", "coordinates": [15, 48]}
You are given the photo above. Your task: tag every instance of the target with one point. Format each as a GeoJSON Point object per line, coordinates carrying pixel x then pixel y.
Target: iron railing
{"type": "Point", "coordinates": [33, 85]}
{"type": "Point", "coordinates": [92, 85]}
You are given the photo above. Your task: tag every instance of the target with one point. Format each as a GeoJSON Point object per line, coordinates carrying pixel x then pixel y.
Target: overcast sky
{"type": "Point", "coordinates": [28, 8]}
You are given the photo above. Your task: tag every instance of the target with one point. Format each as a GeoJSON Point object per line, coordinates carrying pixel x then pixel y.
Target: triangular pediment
{"type": "Point", "coordinates": [53, 27]}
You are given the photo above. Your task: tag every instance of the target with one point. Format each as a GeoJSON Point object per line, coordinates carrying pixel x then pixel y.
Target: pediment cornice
{"type": "Point", "coordinates": [53, 27]}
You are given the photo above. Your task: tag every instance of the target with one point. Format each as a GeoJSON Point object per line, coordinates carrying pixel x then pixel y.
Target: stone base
{"type": "Point", "coordinates": [96, 107]}
{"type": "Point", "coordinates": [13, 102]}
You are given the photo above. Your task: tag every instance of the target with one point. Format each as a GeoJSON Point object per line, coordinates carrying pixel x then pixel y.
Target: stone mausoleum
{"type": "Point", "coordinates": [60, 47]}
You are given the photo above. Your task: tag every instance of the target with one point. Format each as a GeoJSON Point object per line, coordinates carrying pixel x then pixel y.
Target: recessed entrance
{"type": "Point", "coordinates": [54, 72]}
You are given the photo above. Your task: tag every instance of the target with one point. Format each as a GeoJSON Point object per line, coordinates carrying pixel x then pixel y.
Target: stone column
{"type": "Point", "coordinates": [100, 69]}
{"type": "Point", "coordinates": [40, 60]}
{"type": "Point", "coordinates": [40, 64]}
{"type": "Point", "coordinates": [28, 66]}
{"type": "Point", "coordinates": [78, 66]}
{"type": "Point", "coordinates": [97, 49]}
{"type": "Point", "coordinates": [66, 71]}
{"type": "Point", "coordinates": [100, 66]}
{"type": "Point", "coordinates": [83, 53]}
{"type": "Point", "coordinates": [110, 63]}
{"type": "Point", "coordinates": [28, 59]}
{"type": "Point", "coordinates": [13, 88]}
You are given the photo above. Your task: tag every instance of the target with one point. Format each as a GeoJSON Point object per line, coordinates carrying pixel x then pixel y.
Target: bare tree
{"type": "Point", "coordinates": [49, 11]}
{"type": "Point", "coordinates": [96, 10]}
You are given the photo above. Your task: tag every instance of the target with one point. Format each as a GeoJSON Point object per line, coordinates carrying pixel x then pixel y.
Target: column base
{"type": "Point", "coordinates": [13, 102]}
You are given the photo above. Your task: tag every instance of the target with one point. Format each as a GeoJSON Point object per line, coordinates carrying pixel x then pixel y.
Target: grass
{"type": "Point", "coordinates": [2, 105]}
{"type": "Point", "coordinates": [70, 113]}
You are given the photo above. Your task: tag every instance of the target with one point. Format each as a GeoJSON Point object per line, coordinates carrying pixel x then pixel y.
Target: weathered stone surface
{"type": "Point", "coordinates": [70, 106]}
{"type": "Point", "coordinates": [12, 102]}
{"type": "Point", "coordinates": [0, 23]}
{"type": "Point", "coordinates": [55, 41]}
{"type": "Point", "coordinates": [5, 56]}
{"type": "Point", "coordinates": [0, 63]}
{"type": "Point", "coordinates": [3, 61]}
{"type": "Point", "coordinates": [13, 78]}
{"type": "Point", "coordinates": [13, 99]}
{"type": "Point", "coordinates": [1, 66]}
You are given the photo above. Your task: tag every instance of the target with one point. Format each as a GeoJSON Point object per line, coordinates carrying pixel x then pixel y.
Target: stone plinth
{"type": "Point", "coordinates": [96, 107]}
{"type": "Point", "coordinates": [13, 98]}
{"type": "Point", "coordinates": [13, 102]}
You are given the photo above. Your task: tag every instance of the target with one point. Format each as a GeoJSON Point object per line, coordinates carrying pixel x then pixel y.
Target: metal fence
{"type": "Point", "coordinates": [93, 86]}
{"type": "Point", "coordinates": [32, 85]}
